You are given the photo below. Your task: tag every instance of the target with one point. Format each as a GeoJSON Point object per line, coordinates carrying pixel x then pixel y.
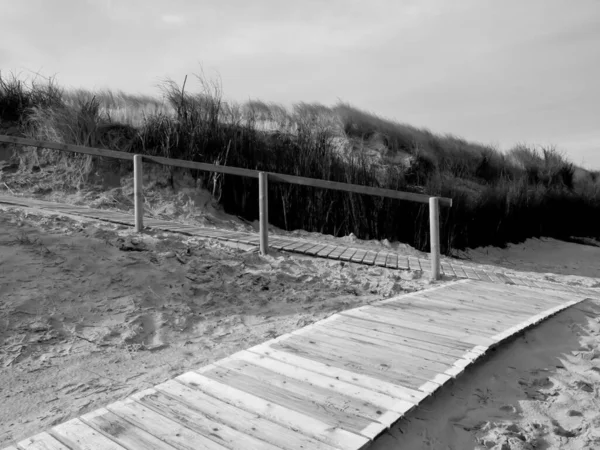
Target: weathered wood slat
{"type": "Point", "coordinates": [326, 405]}
{"type": "Point", "coordinates": [370, 258]}
{"type": "Point", "coordinates": [393, 390]}
{"type": "Point", "coordinates": [555, 298]}
{"type": "Point", "coordinates": [451, 344]}
{"type": "Point", "coordinates": [403, 262]}
{"type": "Point", "coordinates": [316, 249]}
{"type": "Point", "coordinates": [458, 335]}
{"type": "Point", "coordinates": [42, 441]}
{"type": "Point", "coordinates": [251, 424]}
{"type": "Point", "coordinates": [379, 355]}
{"type": "Point", "coordinates": [335, 254]}
{"type": "Point", "coordinates": [465, 322]}
{"type": "Point", "coordinates": [358, 256]}
{"type": "Point", "coordinates": [398, 348]}
{"type": "Point", "coordinates": [497, 305]}
{"type": "Point", "coordinates": [326, 354]}
{"type": "Point", "coordinates": [209, 427]}
{"type": "Point", "coordinates": [161, 427]}
{"type": "Point", "coordinates": [295, 420]}
{"type": "Point", "coordinates": [322, 381]}
{"type": "Point", "coordinates": [325, 252]}
{"type": "Point", "coordinates": [348, 254]}
{"type": "Point", "coordinates": [408, 344]}
{"type": "Point", "coordinates": [80, 436]}
{"type": "Point", "coordinates": [392, 261]}
{"type": "Point", "coordinates": [304, 247]}
{"type": "Point", "coordinates": [413, 263]}
{"type": "Point", "coordinates": [458, 310]}
{"type": "Point", "coordinates": [381, 258]}
{"type": "Point", "coordinates": [294, 245]}
{"type": "Point", "coordinates": [499, 299]}
{"type": "Point", "coordinates": [415, 331]}
{"type": "Point", "coordinates": [123, 432]}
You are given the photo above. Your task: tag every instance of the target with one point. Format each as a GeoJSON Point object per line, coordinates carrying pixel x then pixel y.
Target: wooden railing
{"type": "Point", "coordinates": [263, 178]}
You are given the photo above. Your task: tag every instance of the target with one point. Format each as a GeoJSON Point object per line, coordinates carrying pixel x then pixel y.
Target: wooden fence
{"type": "Point", "coordinates": [263, 178]}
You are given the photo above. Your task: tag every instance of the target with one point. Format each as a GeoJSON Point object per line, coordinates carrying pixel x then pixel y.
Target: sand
{"type": "Point", "coordinates": [90, 312]}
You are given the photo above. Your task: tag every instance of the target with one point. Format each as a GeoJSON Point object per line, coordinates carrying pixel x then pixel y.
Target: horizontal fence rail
{"type": "Point", "coordinates": [263, 177]}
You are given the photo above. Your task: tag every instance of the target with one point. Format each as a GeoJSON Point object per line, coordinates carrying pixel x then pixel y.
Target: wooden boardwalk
{"type": "Point", "coordinates": [336, 384]}
{"type": "Point", "coordinates": [450, 268]}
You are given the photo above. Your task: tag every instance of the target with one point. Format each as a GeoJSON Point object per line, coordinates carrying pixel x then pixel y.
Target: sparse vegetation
{"type": "Point", "coordinates": [498, 197]}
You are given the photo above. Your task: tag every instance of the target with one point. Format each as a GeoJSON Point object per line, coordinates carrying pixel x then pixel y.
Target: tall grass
{"type": "Point", "coordinates": [498, 197]}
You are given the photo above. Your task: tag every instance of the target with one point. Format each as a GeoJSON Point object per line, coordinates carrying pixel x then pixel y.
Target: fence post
{"type": "Point", "coordinates": [263, 203]}
{"type": "Point", "coordinates": [138, 194]}
{"type": "Point", "coordinates": [434, 233]}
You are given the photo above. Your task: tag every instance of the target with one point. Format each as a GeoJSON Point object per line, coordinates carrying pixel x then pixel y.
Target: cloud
{"type": "Point", "coordinates": [173, 19]}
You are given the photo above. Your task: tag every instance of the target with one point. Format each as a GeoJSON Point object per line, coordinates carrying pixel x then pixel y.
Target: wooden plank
{"type": "Point", "coordinates": [471, 274]}
{"type": "Point", "coordinates": [392, 261]}
{"type": "Point", "coordinates": [326, 356]}
{"type": "Point", "coordinates": [123, 432]}
{"type": "Point", "coordinates": [347, 376]}
{"type": "Point", "coordinates": [201, 166]}
{"type": "Point", "coordinates": [335, 254]}
{"type": "Point", "coordinates": [425, 337]}
{"type": "Point", "coordinates": [209, 427]}
{"type": "Point", "coordinates": [466, 319]}
{"type": "Point", "coordinates": [486, 302]}
{"type": "Point", "coordinates": [394, 369]}
{"type": "Point", "coordinates": [278, 243]}
{"type": "Point", "coordinates": [370, 258]}
{"type": "Point", "coordinates": [358, 256]}
{"type": "Point", "coordinates": [409, 345]}
{"type": "Point", "coordinates": [398, 346]}
{"type": "Point", "coordinates": [556, 298]}
{"type": "Point", "coordinates": [461, 336]}
{"type": "Point", "coordinates": [348, 253]}
{"type": "Point", "coordinates": [324, 404]}
{"type": "Point", "coordinates": [496, 299]}
{"type": "Point", "coordinates": [314, 379]}
{"type": "Point", "coordinates": [511, 296]}
{"type": "Point", "coordinates": [67, 147]}
{"type": "Point", "coordinates": [377, 353]}
{"type": "Point", "coordinates": [421, 198]}
{"type": "Point", "coordinates": [161, 427]}
{"type": "Point", "coordinates": [437, 329]}
{"type": "Point", "coordinates": [80, 436]}
{"type": "Point", "coordinates": [197, 402]}
{"type": "Point", "coordinates": [413, 263]}
{"type": "Point", "coordinates": [381, 258]}
{"type": "Point", "coordinates": [316, 249]}
{"type": "Point", "coordinates": [455, 302]}
{"type": "Point", "coordinates": [326, 251]}
{"type": "Point", "coordinates": [305, 246]}
{"type": "Point", "coordinates": [403, 262]}
{"type": "Point", "coordinates": [483, 276]}
{"type": "Point", "coordinates": [294, 245]}
{"type": "Point", "coordinates": [294, 420]}
{"type": "Point", "coordinates": [458, 307]}
{"type": "Point", "coordinates": [41, 441]}
{"type": "Point", "coordinates": [458, 271]}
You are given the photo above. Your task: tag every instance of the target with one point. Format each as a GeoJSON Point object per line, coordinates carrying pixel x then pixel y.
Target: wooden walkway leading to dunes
{"type": "Point", "coordinates": [450, 268]}
{"type": "Point", "coordinates": [336, 384]}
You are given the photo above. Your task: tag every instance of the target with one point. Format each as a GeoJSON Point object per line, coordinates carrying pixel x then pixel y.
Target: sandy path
{"type": "Point", "coordinates": [89, 313]}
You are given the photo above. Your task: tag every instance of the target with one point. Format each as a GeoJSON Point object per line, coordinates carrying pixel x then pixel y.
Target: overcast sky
{"type": "Point", "coordinates": [499, 72]}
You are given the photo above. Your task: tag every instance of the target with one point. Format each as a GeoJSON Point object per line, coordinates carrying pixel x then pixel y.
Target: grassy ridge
{"type": "Point", "coordinates": [498, 197]}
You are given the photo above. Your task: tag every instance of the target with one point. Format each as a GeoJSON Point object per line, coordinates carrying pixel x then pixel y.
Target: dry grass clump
{"type": "Point", "coordinates": [498, 197]}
